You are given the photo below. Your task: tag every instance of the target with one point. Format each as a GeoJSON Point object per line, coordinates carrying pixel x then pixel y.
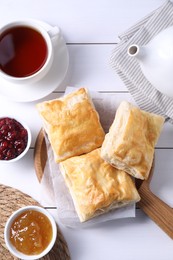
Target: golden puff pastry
{"type": "Point", "coordinates": [72, 124]}
{"type": "Point", "coordinates": [130, 143]}
{"type": "Point", "coordinates": [95, 186]}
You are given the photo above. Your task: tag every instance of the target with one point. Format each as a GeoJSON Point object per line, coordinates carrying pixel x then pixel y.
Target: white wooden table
{"type": "Point", "coordinates": [91, 29]}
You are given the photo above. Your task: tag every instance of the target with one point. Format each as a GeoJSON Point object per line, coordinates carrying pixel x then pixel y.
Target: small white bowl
{"type": "Point", "coordinates": [28, 142]}
{"type": "Point", "coordinates": [9, 222]}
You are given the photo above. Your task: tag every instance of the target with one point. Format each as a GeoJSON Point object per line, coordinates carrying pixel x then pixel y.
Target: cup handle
{"type": "Point", "coordinates": [54, 34]}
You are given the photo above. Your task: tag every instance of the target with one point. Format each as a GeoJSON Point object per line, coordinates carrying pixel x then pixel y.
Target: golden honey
{"type": "Point", "coordinates": [31, 232]}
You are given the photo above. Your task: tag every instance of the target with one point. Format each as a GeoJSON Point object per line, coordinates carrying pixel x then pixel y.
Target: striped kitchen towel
{"type": "Point", "coordinates": [146, 96]}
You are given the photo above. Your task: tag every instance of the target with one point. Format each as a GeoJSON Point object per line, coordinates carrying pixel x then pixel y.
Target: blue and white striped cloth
{"type": "Point", "coordinates": [146, 96]}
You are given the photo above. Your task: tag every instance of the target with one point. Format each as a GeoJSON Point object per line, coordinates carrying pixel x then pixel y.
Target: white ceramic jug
{"type": "Point", "coordinates": [156, 60]}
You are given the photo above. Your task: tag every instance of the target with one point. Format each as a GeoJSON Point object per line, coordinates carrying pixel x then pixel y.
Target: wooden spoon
{"type": "Point", "coordinates": [154, 207]}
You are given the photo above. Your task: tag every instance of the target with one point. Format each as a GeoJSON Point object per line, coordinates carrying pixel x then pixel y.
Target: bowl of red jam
{"type": "Point", "coordinates": [15, 139]}
{"type": "Point", "coordinates": [30, 232]}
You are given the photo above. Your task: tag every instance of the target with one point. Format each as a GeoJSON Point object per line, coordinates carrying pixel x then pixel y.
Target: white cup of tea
{"type": "Point", "coordinates": [26, 51]}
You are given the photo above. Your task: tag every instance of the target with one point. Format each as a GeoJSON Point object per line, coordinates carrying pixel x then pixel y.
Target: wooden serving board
{"type": "Point", "coordinates": [11, 200]}
{"type": "Point", "coordinates": [155, 208]}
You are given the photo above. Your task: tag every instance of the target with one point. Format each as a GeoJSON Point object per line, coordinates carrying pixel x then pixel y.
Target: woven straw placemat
{"type": "Point", "coordinates": [11, 200]}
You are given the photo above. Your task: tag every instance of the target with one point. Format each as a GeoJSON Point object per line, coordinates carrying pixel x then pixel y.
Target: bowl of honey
{"type": "Point", "coordinates": [30, 232]}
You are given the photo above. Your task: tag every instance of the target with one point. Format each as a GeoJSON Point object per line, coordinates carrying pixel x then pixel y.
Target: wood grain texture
{"type": "Point", "coordinates": [156, 209]}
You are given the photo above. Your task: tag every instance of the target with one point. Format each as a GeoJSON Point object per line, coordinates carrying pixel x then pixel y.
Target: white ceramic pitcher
{"type": "Point", "coordinates": [156, 60]}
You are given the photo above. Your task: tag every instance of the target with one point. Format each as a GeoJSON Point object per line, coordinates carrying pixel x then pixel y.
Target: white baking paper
{"type": "Point", "coordinates": [53, 188]}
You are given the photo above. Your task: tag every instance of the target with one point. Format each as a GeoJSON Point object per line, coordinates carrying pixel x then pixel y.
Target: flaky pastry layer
{"type": "Point", "coordinates": [72, 124]}
{"type": "Point", "coordinates": [95, 186]}
{"type": "Point", "coordinates": [130, 143]}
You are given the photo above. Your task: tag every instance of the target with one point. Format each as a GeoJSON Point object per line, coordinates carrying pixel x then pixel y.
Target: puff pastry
{"type": "Point", "coordinates": [130, 143]}
{"type": "Point", "coordinates": [95, 186]}
{"type": "Point", "coordinates": [72, 124]}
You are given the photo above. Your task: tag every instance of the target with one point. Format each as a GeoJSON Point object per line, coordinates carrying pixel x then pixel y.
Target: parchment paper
{"type": "Point", "coordinates": [53, 188]}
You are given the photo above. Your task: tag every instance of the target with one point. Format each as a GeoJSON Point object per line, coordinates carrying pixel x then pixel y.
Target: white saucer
{"type": "Point", "coordinates": [40, 89]}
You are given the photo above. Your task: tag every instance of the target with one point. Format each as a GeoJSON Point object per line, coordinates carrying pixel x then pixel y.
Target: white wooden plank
{"type": "Point", "coordinates": [21, 175]}
{"type": "Point", "coordinates": [123, 239]}
{"type": "Point", "coordinates": [90, 66]}
{"type": "Point", "coordinates": [162, 180]}
{"type": "Point", "coordinates": [82, 21]}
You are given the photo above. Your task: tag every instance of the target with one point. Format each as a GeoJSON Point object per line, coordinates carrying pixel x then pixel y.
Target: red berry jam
{"type": "Point", "coordinates": [13, 138]}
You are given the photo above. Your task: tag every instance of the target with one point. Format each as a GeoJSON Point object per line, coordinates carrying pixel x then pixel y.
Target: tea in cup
{"type": "Point", "coordinates": [26, 51]}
